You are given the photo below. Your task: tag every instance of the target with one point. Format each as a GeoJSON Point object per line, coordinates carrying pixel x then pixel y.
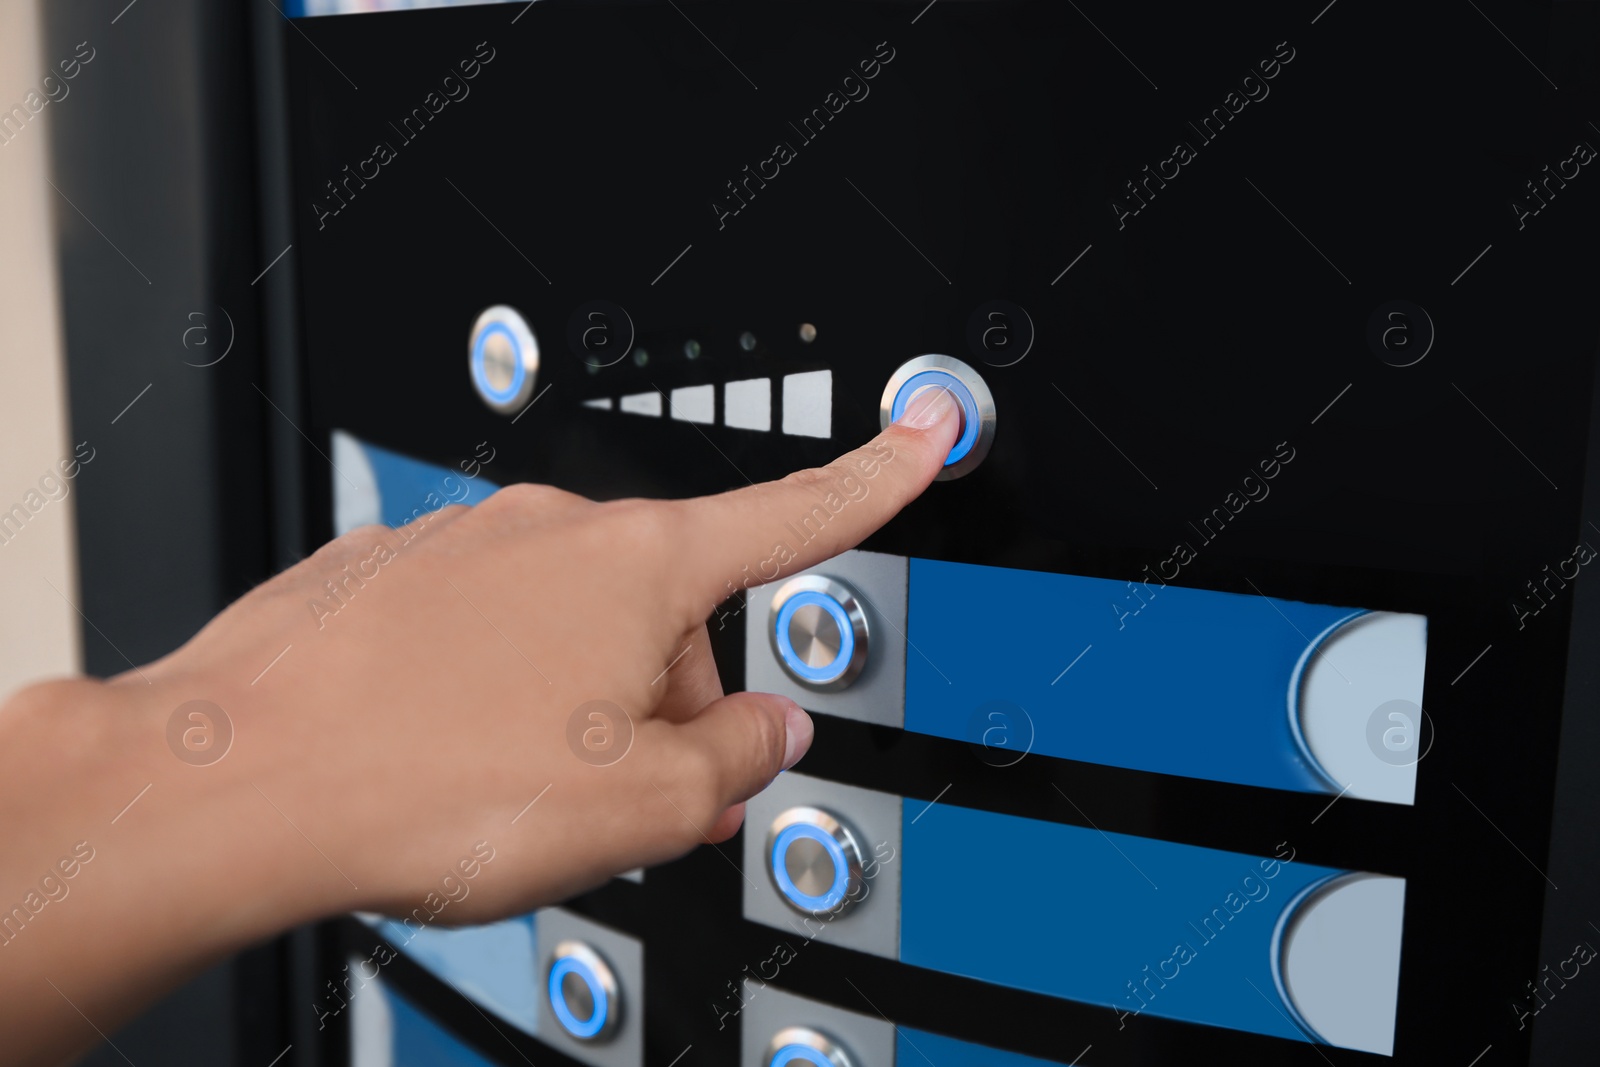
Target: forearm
{"type": "Point", "coordinates": [124, 869]}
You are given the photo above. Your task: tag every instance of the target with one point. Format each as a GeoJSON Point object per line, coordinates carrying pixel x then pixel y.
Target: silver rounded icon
{"type": "Point", "coordinates": [977, 406]}
{"type": "Point", "coordinates": [583, 992]}
{"type": "Point", "coordinates": [1335, 955]}
{"type": "Point", "coordinates": [801, 1046]}
{"type": "Point", "coordinates": [503, 359]}
{"type": "Point", "coordinates": [818, 631]}
{"type": "Point", "coordinates": [814, 862]}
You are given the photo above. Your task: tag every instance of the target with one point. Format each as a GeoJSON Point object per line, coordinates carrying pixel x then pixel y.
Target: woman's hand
{"type": "Point", "coordinates": [486, 711]}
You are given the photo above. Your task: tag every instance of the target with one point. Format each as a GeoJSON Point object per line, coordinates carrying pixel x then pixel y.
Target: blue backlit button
{"type": "Point", "coordinates": [814, 861]}
{"type": "Point", "coordinates": [801, 1046]}
{"type": "Point", "coordinates": [583, 992]}
{"type": "Point", "coordinates": [964, 383]}
{"type": "Point", "coordinates": [504, 359]}
{"type": "Point", "coordinates": [819, 632]}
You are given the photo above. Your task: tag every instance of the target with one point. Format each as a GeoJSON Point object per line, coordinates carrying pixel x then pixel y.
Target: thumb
{"type": "Point", "coordinates": [746, 738]}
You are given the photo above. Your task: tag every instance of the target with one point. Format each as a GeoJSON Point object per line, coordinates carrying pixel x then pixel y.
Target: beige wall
{"type": "Point", "coordinates": [38, 627]}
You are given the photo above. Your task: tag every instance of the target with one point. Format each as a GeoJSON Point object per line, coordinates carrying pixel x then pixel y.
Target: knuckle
{"type": "Point", "coordinates": [643, 524]}
{"type": "Point", "coordinates": [707, 798]}
{"type": "Point", "coordinates": [756, 743]}
{"type": "Point", "coordinates": [427, 520]}
{"type": "Point", "coordinates": [841, 477]}
{"type": "Point", "coordinates": [690, 784]}
{"type": "Point", "coordinates": [812, 478]}
{"type": "Point", "coordinates": [767, 744]}
{"type": "Point", "coordinates": [530, 497]}
{"type": "Point", "coordinates": [702, 787]}
{"type": "Point", "coordinates": [358, 539]}
{"type": "Point", "coordinates": [363, 536]}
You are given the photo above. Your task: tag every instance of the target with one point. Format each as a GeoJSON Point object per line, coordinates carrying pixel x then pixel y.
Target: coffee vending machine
{"type": "Point", "coordinates": [1230, 696]}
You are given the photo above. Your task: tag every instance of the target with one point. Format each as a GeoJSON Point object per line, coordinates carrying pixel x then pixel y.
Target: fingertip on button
{"type": "Point", "coordinates": [929, 407]}
{"type": "Point", "coordinates": [920, 390]}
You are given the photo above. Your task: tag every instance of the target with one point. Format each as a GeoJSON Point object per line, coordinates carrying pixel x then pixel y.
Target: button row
{"type": "Point", "coordinates": [503, 358]}
{"type": "Point", "coordinates": [1329, 703]}
{"type": "Point", "coordinates": [879, 873]}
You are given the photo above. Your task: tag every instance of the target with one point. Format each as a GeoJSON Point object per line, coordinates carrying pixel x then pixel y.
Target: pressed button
{"type": "Point", "coordinates": [801, 1046]}
{"type": "Point", "coordinates": [503, 357]}
{"type": "Point", "coordinates": [814, 861]}
{"type": "Point", "coordinates": [971, 394]}
{"type": "Point", "coordinates": [583, 992]}
{"type": "Point", "coordinates": [819, 632]}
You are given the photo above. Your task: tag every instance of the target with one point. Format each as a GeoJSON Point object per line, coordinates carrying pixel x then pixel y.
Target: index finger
{"type": "Point", "coordinates": [760, 533]}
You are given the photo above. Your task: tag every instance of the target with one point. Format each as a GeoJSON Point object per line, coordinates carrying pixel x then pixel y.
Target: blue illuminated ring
{"type": "Point", "coordinates": [582, 1029]}
{"type": "Point", "coordinates": [958, 389]}
{"type": "Point", "coordinates": [843, 607]}
{"type": "Point", "coordinates": [829, 672]}
{"type": "Point", "coordinates": [780, 869]}
{"type": "Point", "coordinates": [519, 373]}
{"type": "Point", "coordinates": [795, 1045]}
{"type": "Point", "coordinates": [802, 1053]}
{"type": "Point", "coordinates": [505, 321]}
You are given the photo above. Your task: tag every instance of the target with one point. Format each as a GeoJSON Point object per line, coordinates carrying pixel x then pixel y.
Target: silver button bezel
{"type": "Point", "coordinates": [527, 345]}
{"type": "Point", "coordinates": [842, 835]}
{"type": "Point", "coordinates": [830, 1049]}
{"type": "Point", "coordinates": [846, 598]}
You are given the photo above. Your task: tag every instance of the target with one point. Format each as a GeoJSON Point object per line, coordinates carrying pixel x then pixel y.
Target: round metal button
{"type": "Point", "coordinates": [503, 357]}
{"type": "Point", "coordinates": [794, 1046]}
{"type": "Point", "coordinates": [583, 992]}
{"type": "Point", "coordinates": [976, 402]}
{"type": "Point", "coordinates": [819, 632]}
{"type": "Point", "coordinates": [814, 861]}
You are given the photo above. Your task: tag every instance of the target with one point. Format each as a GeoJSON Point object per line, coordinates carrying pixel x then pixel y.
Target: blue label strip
{"type": "Point", "coordinates": [1195, 684]}
{"type": "Point", "coordinates": [1130, 923]}
{"type": "Point", "coordinates": [495, 965]}
{"type": "Point", "coordinates": [409, 488]}
{"type": "Point", "coordinates": [415, 1040]}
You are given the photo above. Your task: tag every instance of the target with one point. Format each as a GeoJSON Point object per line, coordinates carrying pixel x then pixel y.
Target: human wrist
{"type": "Point", "coordinates": [121, 860]}
{"type": "Point", "coordinates": [234, 780]}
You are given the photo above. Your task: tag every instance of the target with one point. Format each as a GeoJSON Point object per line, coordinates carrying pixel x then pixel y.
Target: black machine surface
{"type": "Point", "coordinates": [1181, 249]}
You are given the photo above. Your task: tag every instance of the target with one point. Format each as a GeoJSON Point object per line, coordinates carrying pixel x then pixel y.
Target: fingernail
{"type": "Point", "coordinates": [928, 409]}
{"type": "Point", "coordinates": [798, 732]}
